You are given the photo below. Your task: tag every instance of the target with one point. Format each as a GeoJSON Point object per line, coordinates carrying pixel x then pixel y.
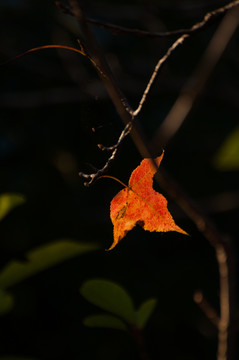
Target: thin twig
{"type": "Point", "coordinates": [90, 178]}
{"type": "Point", "coordinates": [183, 33]}
{"type": "Point", "coordinates": [137, 32]}
{"type": "Point", "coordinates": [44, 47]}
{"type": "Point", "coordinates": [184, 104]}
{"type": "Point", "coordinates": [123, 134]}
{"type": "Point", "coordinates": [208, 310]}
{"type": "Point", "coordinates": [116, 29]}
{"type": "Point", "coordinates": [225, 310]}
{"type": "Point", "coordinates": [156, 71]}
{"type": "Point", "coordinates": [221, 322]}
{"type": "Point", "coordinates": [119, 100]}
{"type": "Point", "coordinates": [197, 81]}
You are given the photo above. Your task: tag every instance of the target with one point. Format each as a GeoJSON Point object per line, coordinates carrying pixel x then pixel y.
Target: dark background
{"type": "Point", "coordinates": [50, 101]}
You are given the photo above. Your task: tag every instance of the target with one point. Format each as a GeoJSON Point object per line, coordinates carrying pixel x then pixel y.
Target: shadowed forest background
{"type": "Point", "coordinates": [54, 112]}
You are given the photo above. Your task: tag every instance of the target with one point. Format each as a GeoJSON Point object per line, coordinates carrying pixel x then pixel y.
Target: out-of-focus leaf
{"type": "Point", "coordinates": [109, 296]}
{"type": "Point", "coordinates": [6, 302]}
{"type": "Point", "coordinates": [227, 158]}
{"type": "Point", "coordinates": [106, 321]}
{"type": "Point", "coordinates": [144, 312]}
{"type": "Point", "coordinates": [42, 258]}
{"type": "Point", "coordinates": [8, 202]}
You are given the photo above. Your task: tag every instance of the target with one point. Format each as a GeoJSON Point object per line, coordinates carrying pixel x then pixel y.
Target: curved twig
{"type": "Point", "coordinates": [121, 30]}
{"type": "Point", "coordinates": [44, 47]}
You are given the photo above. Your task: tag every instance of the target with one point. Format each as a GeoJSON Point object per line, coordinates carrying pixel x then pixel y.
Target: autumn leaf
{"type": "Point", "coordinates": [139, 203]}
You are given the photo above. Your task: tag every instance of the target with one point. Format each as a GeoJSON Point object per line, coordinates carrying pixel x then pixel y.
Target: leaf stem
{"type": "Point", "coordinates": [114, 178]}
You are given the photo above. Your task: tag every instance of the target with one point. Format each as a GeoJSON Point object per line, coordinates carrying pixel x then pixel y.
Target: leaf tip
{"type": "Point", "coordinates": [115, 242]}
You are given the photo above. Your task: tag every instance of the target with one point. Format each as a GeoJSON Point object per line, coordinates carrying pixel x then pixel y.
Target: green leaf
{"type": "Point", "coordinates": [227, 158]}
{"type": "Point", "coordinates": [109, 296]}
{"type": "Point", "coordinates": [145, 311]}
{"type": "Point", "coordinates": [8, 202]}
{"type": "Point", "coordinates": [105, 321]}
{"type": "Point", "coordinates": [6, 302]}
{"type": "Point", "coordinates": [41, 259]}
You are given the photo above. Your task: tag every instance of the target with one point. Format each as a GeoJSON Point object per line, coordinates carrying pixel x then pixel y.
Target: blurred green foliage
{"type": "Point", "coordinates": [6, 302]}
{"type": "Point", "coordinates": [109, 296]}
{"type": "Point", "coordinates": [144, 312]}
{"type": "Point", "coordinates": [9, 202]}
{"type": "Point", "coordinates": [227, 157]}
{"type": "Point", "coordinates": [113, 298]}
{"type": "Point", "coordinates": [41, 259]}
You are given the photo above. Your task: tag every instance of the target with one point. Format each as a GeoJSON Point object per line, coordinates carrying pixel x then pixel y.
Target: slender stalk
{"type": "Point", "coordinates": [137, 335]}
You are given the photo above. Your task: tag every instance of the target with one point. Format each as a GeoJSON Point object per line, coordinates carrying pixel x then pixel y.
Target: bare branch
{"type": "Point", "coordinates": [121, 30]}
{"type": "Point", "coordinates": [202, 77]}
{"type": "Point", "coordinates": [206, 308]}
{"type": "Point", "coordinates": [224, 322]}
{"type": "Point", "coordinates": [123, 134]}
{"type": "Point", "coordinates": [93, 52]}
{"type": "Point", "coordinates": [185, 33]}
{"type": "Point", "coordinates": [197, 81]}
{"type": "Point", "coordinates": [90, 178]}
{"type": "Point", "coordinates": [156, 71]}
{"type": "Point", "coordinates": [224, 256]}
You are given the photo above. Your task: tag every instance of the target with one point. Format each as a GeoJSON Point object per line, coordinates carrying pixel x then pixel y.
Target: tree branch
{"type": "Point", "coordinates": [204, 225]}
{"type": "Point", "coordinates": [206, 308]}
{"type": "Point", "coordinates": [197, 81]}
{"type": "Point", "coordinates": [121, 30]}
{"type": "Point", "coordinates": [225, 260]}
{"type": "Point", "coordinates": [122, 106]}
{"type": "Point", "coordinates": [90, 178]}
{"type": "Point", "coordinates": [156, 71]}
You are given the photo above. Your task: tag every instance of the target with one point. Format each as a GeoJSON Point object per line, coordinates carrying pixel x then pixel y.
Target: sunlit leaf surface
{"type": "Point", "coordinates": [140, 204]}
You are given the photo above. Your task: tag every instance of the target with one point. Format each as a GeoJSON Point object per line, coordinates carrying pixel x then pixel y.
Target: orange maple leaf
{"type": "Point", "coordinates": [140, 204]}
